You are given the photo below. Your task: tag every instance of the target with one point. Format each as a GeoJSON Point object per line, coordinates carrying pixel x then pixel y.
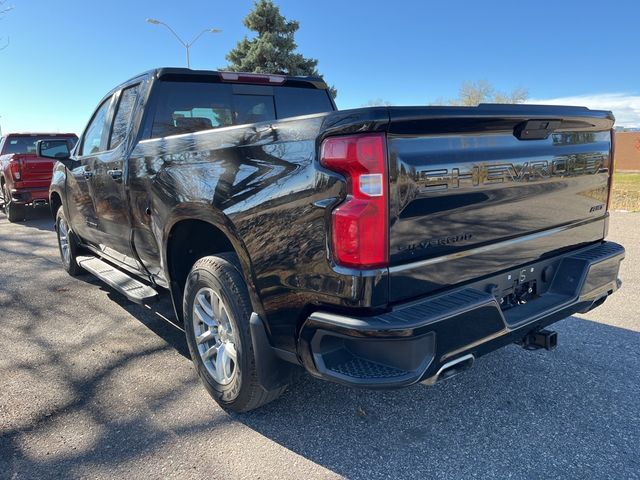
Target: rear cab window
{"type": "Point", "coordinates": [26, 144]}
{"type": "Point", "coordinates": [294, 102]}
{"type": "Point", "coordinates": [186, 107]}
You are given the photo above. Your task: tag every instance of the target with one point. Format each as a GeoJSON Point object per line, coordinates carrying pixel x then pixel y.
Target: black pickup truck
{"type": "Point", "coordinates": [376, 247]}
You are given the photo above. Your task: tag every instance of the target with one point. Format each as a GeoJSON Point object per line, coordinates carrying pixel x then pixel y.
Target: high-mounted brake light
{"type": "Point", "coordinates": [360, 225]}
{"type": "Point", "coordinates": [251, 78]}
{"type": "Point", "coordinates": [15, 166]}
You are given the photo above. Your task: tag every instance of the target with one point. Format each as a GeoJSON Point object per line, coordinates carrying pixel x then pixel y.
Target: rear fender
{"type": "Point", "coordinates": [5, 173]}
{"type": "Point", "coordinates": [59, 187]}
{"type": "Point", "coordinates": [217, 219]}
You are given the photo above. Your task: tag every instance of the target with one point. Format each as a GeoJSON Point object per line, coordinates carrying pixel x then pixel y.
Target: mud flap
{"type": "Point", "coordinates": [273, 372]}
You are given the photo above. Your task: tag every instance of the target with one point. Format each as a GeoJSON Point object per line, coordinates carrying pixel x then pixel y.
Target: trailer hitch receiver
{"type": "Point", "coordinates": [537, 339]}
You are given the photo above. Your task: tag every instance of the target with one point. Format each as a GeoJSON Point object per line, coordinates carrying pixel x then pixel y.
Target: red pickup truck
{"type": "Point", "coordinates": [24, 176]}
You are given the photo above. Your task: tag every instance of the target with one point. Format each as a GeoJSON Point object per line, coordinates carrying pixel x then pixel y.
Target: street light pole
{"type": "Point", "coordinates": [187, 46]}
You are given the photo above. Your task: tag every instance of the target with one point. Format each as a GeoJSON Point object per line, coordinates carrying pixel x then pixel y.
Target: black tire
{"type": "Point", "coordinates": [15, 212]}
{"type": "Point", "coordinates": [221, 275]}
{"type": "Point", "coordinates": [69, 262]}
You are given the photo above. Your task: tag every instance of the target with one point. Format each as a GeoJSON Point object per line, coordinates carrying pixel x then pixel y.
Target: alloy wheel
{"type": "Point", "coordinates": [215, 336]}
{"type": "Point", "coordinates": [63, 236]}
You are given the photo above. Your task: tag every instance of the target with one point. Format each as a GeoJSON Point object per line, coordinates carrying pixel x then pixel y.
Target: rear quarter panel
{"type": "Point", "coordinates": [262, 186]}
{"type": "Point", "coordinates": [5, 173]}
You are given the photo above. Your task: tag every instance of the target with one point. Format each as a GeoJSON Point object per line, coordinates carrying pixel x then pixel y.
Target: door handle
{"type": "Point", "coordinates": [87, 174]}
{"type": "Point", "coordinates": [115, 174]}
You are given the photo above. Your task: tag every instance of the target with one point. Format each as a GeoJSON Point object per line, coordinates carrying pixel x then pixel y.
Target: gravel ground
{"type": "Point", "coordinates": [92, 386]}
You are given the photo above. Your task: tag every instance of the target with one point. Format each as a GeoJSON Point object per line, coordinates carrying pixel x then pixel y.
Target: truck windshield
{"type": "Point", "coordinates": [27, 144]}
{"type": "Point", "coordinates": [184, 107]}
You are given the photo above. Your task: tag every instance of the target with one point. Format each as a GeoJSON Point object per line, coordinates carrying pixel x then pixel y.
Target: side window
{"type": "Point", "coordinates": [93, 137]}
{"type": "Point", "coordinates": [123, 116]}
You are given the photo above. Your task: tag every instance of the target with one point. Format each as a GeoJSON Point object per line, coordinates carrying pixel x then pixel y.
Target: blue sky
{"type": "Point", "coordinates": [64, 55]}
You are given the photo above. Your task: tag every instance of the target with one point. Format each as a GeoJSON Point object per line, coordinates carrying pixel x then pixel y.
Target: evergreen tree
{"type": "Point", "coordinates": [273, 49]}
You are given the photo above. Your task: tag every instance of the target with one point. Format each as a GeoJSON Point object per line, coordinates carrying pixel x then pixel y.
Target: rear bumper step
{"type": "Point", "coordinates": [423, 340]}
{"type": "Point", "coordinates": [35, 195]}
{"type": "Point", "coordinates": [131, 288]}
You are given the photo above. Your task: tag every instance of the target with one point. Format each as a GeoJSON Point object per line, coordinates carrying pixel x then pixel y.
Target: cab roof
{"type": "Point", "coordinates": [186, 74]}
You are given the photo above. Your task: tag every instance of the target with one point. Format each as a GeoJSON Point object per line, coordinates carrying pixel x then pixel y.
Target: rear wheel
{"type": "Point", "coordinates": [68, 245]}
{"type": "Point", "coordinates": [15, 212]}
{"type": "Point", "coordinates": [217, 310]}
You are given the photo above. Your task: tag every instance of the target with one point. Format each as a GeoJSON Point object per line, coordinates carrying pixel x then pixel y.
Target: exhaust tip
{"type": "Point", "coordinates": [452, 368]}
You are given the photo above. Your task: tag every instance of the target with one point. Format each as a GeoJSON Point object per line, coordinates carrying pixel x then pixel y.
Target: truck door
{"type": "Point", "coordinates": [80, 203]}
{"type": "Point", "coordinates": [108, 183]}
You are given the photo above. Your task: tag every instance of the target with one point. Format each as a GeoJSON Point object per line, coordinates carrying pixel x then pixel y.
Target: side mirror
{"type": "Point", "coordinates": [57, 149]}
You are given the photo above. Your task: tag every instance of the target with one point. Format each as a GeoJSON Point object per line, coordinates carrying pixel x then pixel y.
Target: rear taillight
{"type": "Point", "coordinates": [612, 168]}
{"type": "Point", "coordinates": [15, 166]}
{"type": "Point", "coordinates": [360, 225]}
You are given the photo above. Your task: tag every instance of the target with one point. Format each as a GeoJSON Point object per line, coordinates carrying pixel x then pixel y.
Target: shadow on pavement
{"type": "Point", "coordinates": [157, 316]}
{"type": "Point", "coordinates": [37, 217]}
{"type": "Point", "coordinates": [569, 413]}
{"type": "Point", "coordinates": [83, 368]}
{"type": "Point", "coordinates": [168, 329]}
{"type": "Point", "coordinates": [573, 410]}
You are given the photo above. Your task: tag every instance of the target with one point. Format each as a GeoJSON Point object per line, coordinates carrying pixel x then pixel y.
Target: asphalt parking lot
{"type": "Point", "coordinates": [92, 386]}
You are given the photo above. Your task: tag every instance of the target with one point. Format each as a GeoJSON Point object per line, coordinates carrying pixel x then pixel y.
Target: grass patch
{"type": "Point", "coordinates": [626, 192]}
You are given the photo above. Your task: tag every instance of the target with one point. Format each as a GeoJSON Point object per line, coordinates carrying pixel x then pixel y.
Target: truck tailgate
{"type": "Point", "coordinates": [36, 171]}
{"type": "Point", "coordinates": [475, 191]}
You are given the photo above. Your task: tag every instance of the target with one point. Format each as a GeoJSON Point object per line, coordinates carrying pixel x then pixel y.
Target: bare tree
{"type": "Point", "coordinates": [517, 95]}
{"type": "Point", "coordinates": [475, 93]}
{"type": "Point", "coordinates": [4, 8]}
{"type": "Point", "coordinates": [378, 102]}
